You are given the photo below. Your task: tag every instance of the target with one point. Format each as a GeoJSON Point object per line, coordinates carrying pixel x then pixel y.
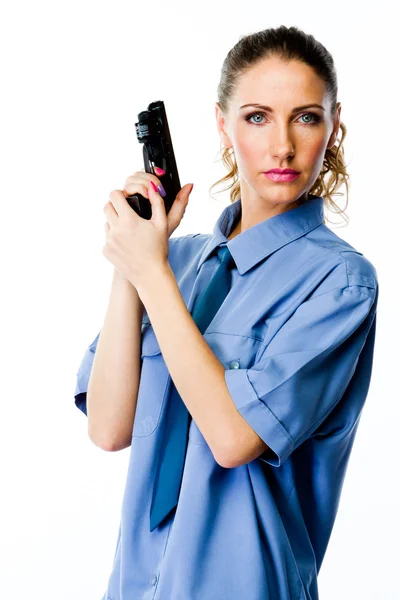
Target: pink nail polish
{"type": "Point", "coordinates": [159, 171]}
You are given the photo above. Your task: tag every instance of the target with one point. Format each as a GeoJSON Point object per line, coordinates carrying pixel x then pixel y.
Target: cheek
{"type": "Point", "coordinates": [313, 155]}
{"type": "Point", "coordinates": [248, 151]}
{"type": "Point", "coordinates": [315, 150]}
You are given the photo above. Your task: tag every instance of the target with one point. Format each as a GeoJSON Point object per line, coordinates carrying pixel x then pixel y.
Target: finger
{"type": "Point", "coordinates": [140, 178]}
{"type": "Point", "coordinates": [120, 204]}
{"type": "Point", "coordinates": [134, 177]}
{"type": "Point", "coordinates": [157, 204]}
{"type": "Point", "coordinates": [110, 213]}
{"type": "Point", "coordinates": [136, 188]}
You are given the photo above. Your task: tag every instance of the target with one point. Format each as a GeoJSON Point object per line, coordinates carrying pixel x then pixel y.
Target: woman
{"type": "Point", "coordinates": [261, 393]}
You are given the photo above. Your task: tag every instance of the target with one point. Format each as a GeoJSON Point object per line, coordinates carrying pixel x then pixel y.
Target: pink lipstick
{"type": "Point", "coordinates": [281, 176]}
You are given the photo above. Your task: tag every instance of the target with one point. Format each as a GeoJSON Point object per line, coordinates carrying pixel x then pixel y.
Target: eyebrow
{"type": "Point", "coordinates": [269, 109]}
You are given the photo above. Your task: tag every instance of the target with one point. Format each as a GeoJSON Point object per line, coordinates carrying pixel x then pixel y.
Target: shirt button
{"type": "Point", "coordinates": [154, 580]}
{"type": "Point", "coordinates": [234, 364]}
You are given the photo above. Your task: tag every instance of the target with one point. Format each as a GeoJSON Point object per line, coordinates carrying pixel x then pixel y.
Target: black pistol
{"type": "Point", "coordinates": [152, 131]}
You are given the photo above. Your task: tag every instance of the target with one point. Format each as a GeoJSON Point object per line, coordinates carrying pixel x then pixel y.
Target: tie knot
{"type": "Point", "coordinates": [225, 256]}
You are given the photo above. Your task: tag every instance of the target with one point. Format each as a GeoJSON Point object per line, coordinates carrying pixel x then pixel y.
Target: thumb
{"type": "Point", "coordinates": [185, 192]}
{"type": "Point", "coordinates": [182, 197]}
{"type": "Point", "coordinates": [178, 207]}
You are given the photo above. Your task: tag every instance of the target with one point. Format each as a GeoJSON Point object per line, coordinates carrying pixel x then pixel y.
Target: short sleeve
{"type": "Point", "coordinates": [304, 371]}
{"type": "Point", "coordinates": [85, 367]}
{"type": "Point", "coordinates": [82, 377]}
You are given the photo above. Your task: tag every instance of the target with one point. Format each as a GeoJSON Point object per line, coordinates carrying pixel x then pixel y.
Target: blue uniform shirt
{"type": "Point", "coordinates": [296, 336]}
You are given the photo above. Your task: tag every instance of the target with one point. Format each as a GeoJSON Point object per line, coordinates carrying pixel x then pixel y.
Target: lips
{"type": "Point", "coordinates": [283, 171]}
{"type": "Point", "coordinates": [282, 177]}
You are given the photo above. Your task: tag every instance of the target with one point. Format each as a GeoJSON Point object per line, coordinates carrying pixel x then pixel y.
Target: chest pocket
{"type": "Point", "coordinates": [234, 352]}
{"type": "Point", "coordinates": [153, 386]}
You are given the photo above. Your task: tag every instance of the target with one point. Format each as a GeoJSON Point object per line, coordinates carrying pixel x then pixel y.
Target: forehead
{"type": "Point", "coordinates": [275, 82]}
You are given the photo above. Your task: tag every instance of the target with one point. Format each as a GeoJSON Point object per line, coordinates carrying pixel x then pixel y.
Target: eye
{"type": "Point", "coordinates": [316, 118]}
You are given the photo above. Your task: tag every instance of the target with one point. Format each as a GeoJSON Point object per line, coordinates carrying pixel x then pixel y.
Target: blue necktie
{"type": "Point", "coordinates": [169, 471]}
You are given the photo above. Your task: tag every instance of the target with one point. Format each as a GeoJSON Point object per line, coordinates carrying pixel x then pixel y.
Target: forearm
{"type": "Point", "coordinates": [197, 373]}
{"type": "Point", "coordinates": [114, 380]}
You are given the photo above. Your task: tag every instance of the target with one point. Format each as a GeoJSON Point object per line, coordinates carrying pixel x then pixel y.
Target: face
{"type": "Point", "coordinates": [263, 140]}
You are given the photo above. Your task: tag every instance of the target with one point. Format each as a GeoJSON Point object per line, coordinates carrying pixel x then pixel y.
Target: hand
{"type": "Point", "coordinates": [138, 247]}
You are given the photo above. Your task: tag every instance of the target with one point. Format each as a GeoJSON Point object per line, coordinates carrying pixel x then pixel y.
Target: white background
{"type": "Point", "coordinates": [74, 76]}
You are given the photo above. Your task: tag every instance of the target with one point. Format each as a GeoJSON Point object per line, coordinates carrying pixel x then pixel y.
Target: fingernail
{"type": "Point", "coordinates": [161, 190]}
{"type": "Point", "coordinates": [159, 171]}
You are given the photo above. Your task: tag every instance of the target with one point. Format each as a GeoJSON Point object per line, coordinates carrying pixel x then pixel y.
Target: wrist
{"type": "Point", "coordinates": [154, 280]}
{"type": "Point", "coordinates": [119, 279]}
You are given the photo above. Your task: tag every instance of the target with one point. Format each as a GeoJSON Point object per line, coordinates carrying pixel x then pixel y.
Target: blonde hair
{"type": "Point", "coordinates": [287, 44]}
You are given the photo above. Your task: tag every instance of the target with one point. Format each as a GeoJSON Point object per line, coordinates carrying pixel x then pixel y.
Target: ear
{"type": "Point", "coordinates": [336, 127]}
{"type": "Point", "coordinates": [221, 126]}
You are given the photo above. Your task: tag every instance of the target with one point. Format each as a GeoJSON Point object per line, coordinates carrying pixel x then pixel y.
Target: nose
{"type": "Point", "coordinates": [281, 143]}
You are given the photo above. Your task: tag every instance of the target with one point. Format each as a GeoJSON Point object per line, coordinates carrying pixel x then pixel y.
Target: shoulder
{"type": "Point", "coordinates": [188, 242]}
{"type": "Point", "coordinates": [185, 247]}
{"type": "Point", "coordinates": [186, 239]}
{"type": "Point", "coordinates": [356, 269]}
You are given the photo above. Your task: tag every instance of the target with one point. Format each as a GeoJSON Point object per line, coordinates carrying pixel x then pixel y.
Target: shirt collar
{"type": "Point", "coordinates": [256, 243]}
